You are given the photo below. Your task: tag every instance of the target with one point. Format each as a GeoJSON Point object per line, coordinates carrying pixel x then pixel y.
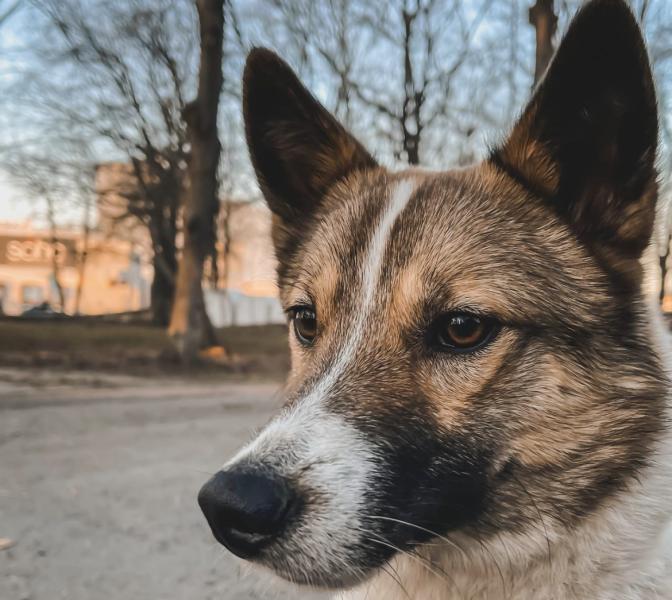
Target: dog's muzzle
{"type": "Point", "coordinates": [247, 508]}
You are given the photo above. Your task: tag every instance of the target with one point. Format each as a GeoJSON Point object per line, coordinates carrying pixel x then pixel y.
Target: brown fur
{"type": "Point", "coordinates": [474, 239]}
{"type": "Point", "coordinates": [551, 423]}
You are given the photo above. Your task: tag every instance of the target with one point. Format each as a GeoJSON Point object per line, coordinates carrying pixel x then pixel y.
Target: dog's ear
{"type": "Point", "coordinates": [587, 140]}
{"type": "Point", "coordinates": [297, 148]}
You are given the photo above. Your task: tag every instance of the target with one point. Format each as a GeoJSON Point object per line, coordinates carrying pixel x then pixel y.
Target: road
{"type": "Point", "coordinates": [98, 483]}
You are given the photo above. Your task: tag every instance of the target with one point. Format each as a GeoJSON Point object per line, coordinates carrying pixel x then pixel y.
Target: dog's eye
{"type": "Point", "coordinates": [305, 324]}
{"type": "Point", "coordinates": [462, 332]}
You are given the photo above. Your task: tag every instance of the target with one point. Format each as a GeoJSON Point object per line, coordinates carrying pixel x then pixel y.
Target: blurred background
{"type": "Point", "coordinates": [141, 339]}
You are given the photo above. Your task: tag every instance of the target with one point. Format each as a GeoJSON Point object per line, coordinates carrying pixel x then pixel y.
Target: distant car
{"type": "Point", "coordinates": [42, 311]}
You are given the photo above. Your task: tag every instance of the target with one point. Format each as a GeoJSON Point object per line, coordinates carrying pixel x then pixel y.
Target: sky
{"type": "Point", "coordinates": [15, 203]}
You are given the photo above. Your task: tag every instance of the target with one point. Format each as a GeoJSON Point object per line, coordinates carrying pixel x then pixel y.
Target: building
{"type": "Point", "coordinates": [242, 291]}
{"type": "Point", "coordinates": [96, 274]}
{"type": "Point", "coordinates": [109, 270]}
{"type": "Point", "coordinates": [114, 274]}
{"type": "Point", "coordinates": [246, 293]}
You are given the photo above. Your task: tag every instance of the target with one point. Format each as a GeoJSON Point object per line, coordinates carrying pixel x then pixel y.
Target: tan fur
{"type": "Point", "coordinates": [410, 293]}
{"type": "Point", "coordinates": [531, 156]}
{"type": "Point", "coordinates": [560, 414]}
{"type": "Point", "coordinates": [534, 465]}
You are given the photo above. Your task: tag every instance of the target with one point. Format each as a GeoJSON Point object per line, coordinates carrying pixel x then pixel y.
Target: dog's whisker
{"type": "Point", "coordinates": [426, 563]}
{"type": "Point", "coordinates": [423, 529]}
{"type": "Point", "coordinates": [204, 472]}
{"type": "Point", "coordinates": [489, 552]}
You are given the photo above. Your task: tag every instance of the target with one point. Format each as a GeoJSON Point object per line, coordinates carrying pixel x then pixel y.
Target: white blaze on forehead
{"type": "Point", "coordinates": [370, 281]}
{"type": "Point", "coordinates": [294, 422]}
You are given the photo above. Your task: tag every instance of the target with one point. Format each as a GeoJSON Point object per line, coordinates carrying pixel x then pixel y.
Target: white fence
{"type": "Point", "coordinates": [229, 307]}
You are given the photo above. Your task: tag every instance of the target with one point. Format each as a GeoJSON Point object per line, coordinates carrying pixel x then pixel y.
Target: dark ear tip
{"type": "Point", "coordinates": [260, 57]}
{"type": "Point", "coordinates": [611, 4]}
{"type": "Point", "coordinates": [601, 13]}
{"type": "Point", "coordinates": [264, 64]}
{"type": "Point", "coordinates": [265, 75]}
{"type": "Point", "coordinates": [604, 45]}
{"type": "Point", "coordinates": [260, 60]}
{"type": "Point", "coordinates": [621, 6]}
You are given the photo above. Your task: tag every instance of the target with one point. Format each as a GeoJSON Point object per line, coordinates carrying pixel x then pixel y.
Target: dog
{"type": "Point", "coordinates": [478, 403]}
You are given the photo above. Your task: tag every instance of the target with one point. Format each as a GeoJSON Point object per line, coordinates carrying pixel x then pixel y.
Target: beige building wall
{"type": "Point", "coordinates": [250, 264]}
{"type": "Point", "coordinates": [117, 272]}
{"type": "Point", "coordinates": [115, 183]}
{"type": "Point", "coordinates": [249, 267]}
{"type": "Point", "coordinates": [113, 278]}
{"type": "Point", "coordinates": [247, 293]}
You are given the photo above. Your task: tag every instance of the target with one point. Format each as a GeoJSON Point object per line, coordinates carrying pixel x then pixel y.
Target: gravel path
{"type": "Point", "coordinates": [98, 483]}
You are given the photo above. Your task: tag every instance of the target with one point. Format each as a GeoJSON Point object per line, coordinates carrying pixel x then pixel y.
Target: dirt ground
{"type": "Point", "coordinates": [98, 483]}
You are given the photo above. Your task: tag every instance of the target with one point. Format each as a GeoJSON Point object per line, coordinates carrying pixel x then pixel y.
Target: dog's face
{"type": "Point", "coordinates": [469, 349]}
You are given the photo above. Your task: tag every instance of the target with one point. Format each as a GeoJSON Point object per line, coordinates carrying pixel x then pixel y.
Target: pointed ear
{"type": "Point", "coordinates": [587, 140]}
{"type": "Point", "coordinates": [297, 148]}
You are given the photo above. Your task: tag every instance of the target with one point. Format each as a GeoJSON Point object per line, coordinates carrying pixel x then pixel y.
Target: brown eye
{"type": "Point", "coordinates": [462, 332]}
{"type": "Point", "coordinates": [305, 324]}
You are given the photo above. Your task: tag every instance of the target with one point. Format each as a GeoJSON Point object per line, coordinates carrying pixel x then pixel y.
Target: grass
{"type": "Point", "coordinates": [255, 350]}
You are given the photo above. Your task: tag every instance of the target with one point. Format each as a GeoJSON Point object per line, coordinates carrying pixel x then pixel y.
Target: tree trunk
{"type": "Point", "coordinates": [83, 256]}
{"type": "Point", "coordinates": [55, 265]}
{"type": "Point", "coordinates": [161, 296]}
{"type": "Point", "coordinates": [411, 125]}
{"type": "Point", "coordinates": [164, 262]}
{"type": "Point", "coordinates": [190, 326]}
{"type": "Point", "coordinates": [544, 20]}
{"type": "Point", "coordinates": [663, 273]}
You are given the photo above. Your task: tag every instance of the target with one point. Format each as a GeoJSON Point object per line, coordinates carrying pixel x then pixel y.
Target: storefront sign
{"type": "Point", "coordinates": [36, 251]}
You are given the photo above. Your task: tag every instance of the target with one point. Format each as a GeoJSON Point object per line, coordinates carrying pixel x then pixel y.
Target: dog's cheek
{"type": "Point", "coordinates": [452, 386]}
{"type": "Point", "coordinates": [429, 481]}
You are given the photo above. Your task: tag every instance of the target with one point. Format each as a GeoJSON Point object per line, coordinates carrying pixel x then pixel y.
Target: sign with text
{"type": "Point", "coordinates": [37, 251]}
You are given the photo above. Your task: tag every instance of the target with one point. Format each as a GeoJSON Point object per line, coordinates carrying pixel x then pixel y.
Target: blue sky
{"type": "Point", "coordinates": [13, 203]}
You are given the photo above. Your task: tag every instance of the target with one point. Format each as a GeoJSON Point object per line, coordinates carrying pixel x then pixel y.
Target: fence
{"type": "Point", "coordinates": [230, 307]}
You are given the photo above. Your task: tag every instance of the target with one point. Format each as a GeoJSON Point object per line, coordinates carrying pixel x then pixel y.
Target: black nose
{"type": "Point", "coordinates": [246, 509]}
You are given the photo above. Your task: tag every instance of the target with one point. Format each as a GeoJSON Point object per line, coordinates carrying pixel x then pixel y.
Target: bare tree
{"type": "Point", "coordinates": [83, 254]}
{"type": "Point", "coordinates": [53, 238]}
{"type": "Point", "coordinates": [322, 33]}
{"type": "Point", "coordinates": [394, 65]}
{"type": "Point", "coordinates": [190, 325]}
{"type": "Point", "coordinates": [544, 20]}
{"type": "Point", "coordinates": [432, 42]}
{"type": "Point", "coordinates": [7, 9]}
{"type": "Point", "coordinates": [116, 75]}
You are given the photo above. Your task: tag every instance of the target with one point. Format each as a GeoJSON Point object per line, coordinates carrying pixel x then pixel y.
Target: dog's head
{"type": "Point", "coordinates": [469, 348]}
